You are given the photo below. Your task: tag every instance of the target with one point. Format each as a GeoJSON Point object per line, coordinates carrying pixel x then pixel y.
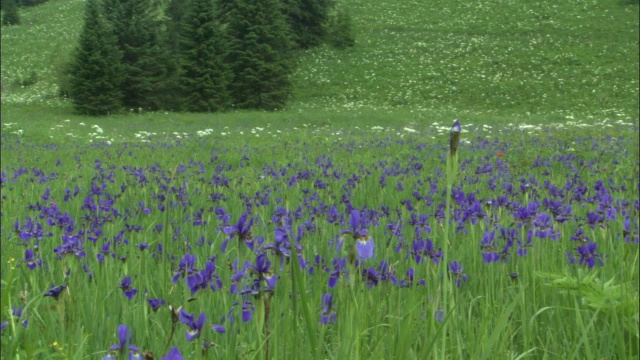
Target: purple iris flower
{"type": "Point", "coordinates": [247, 311]}
{"type": "Point", "coordinates": [173, 354]}
{"type": "Point", "coordinates": [17, 312]}
{"type": "Point", "coordinates": [55, 291]}
{"type": "Point", "coordinates": [364, 243]}
{"type": "Point", "coordinates": [46, 195]}
{"type": "Point", "coordinates": [490, 257]}
{"type": "Point", "coordinates": [242, 229]}
{"type": "Point", "coordinates": [156, 303]}
{"type": "Point", "coordinates": [487, 242]}
{"type": "Point", "coordinates": [125, 285]}
{"type": "Point", "coordinates": [31, 260]}
{"type": "Point", "coordinates": [386, 272]}
{"type": "Point", "coordinates": [587, 255]}
{"type": "Point", "coordinates": [420, 221]}
{"type": "Point", "coordinates": [194, 327]}
{"type": "Point", "coordinates": [328, 316]}
{"type": "Point", "coordinates": [281, 247]}
{"type": "Point", "coordinates": [262, 269]}
{"type": "Point", "coordinates": [205, 278]}
{"type": "Point", "coordinates": [408, 280]}
{"type": "Point", "coordinates": [527, 213]}
{"type": "Point", "coordinates": [523, 246]}
{"type": "Point", "coordinates": [489, 248]}
{"type": "Point", "coordinates": [186, 266]}
{"type": "Point", "coordinates": [626, 230]}
{"type": "Point", "coordinates": [371, 276]}
{"type": "Point", "coordinates": [72, 244]}
{"type": "Point", "coordinates": [124, 337]}
{"type": "Point", "coordinates": [218, 328]}
{"type": "Point", "coordinates": [626, 223]}
{"type": "Point", "coordinates": [579, 235]}
{"type": "Point", "coordinates": [3, 325]}
{"type": "Point", "coordinates": [457, 271]}
{"type": "Point", "coordinates": [425, 249]}
{"type": "Point", "coordinates": [595, 218]}
{"type": "Point", "coordinates": [339, 267]}
{"type": "Point", "coordinates": [365, 247]}
{"type": "Point", "coordinates": [544, 227]}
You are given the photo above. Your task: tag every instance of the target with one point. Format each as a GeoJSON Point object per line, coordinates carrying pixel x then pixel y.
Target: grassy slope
{"type": "Point", "coordinates": [413, 60]}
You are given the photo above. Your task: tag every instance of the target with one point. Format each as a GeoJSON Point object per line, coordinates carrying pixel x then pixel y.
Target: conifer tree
{"type": "Point", "coordinates": [260, 55]}
{"type": "Point", "coordinates": [340, 34]}
{"type": "Point", "coordinates": [96, 73]}
{"type": "Point", "coordinates": [174, 13]}
{"type": "Point", "coordinates": [171, 39]}
{"type": "Point", "coordinates": [308, 21]}
{"type": "Point", "coordinates": [224, 6]}
{"type": "Point", "coordinates": [144, 56]}
{"type": "Point", "coordinates": [11, 14]}
{"type": "Point", "coordinates": [204, 75]}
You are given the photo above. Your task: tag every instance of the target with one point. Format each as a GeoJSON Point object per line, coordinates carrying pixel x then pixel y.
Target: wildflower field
{"type": "Point", "coordinates": [322, 242]}
{"type": "Point", "coordinates": [339, 228]}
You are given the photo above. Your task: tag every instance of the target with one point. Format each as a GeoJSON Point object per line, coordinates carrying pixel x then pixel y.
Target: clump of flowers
{"type": "Point", "coordinates": [124, 346]}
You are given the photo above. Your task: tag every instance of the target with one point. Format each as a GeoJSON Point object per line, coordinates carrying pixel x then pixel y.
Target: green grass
{"type": "Point", "coordinates": [509, 58]}
{"type": "Point", "coordinates": [553, 310]}
{"type": "Point", "coordinates": [553, 86]}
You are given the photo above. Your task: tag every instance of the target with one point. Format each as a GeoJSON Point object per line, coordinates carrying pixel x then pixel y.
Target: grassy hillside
{"type": "Point", "coordinates": [548, 58]}
{"type": "Point", "coordinates": [342, 227]}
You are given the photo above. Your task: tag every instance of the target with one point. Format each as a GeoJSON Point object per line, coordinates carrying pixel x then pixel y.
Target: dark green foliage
{"type": "Point", "coordinates": [145, 59]}
{"type": "Point", "coordinates": [340, 31]}
{"type": "Point", "coordinates": [224, 6]}
{"type": "Point", "coordinates": [260, 54]}
{"type": "Point", "coordinates": [23, 3]}
{"type": "Point", "coordinates": [308, 21]}
{"type": "Point", "coordinates": [204, 75]}
{"type": "Point", "coordinates": [171, 39]}
{"type": "Point", "coordinates": [63, 70]}
{"type": "Point", "coordinates": [174, 13]}
{"type": "Point", "coordinates": [30, 80]}
{"type": "Point", "coordinates": [11, 15]}
{"type": "Point", "coordinates": [26, 3]}
{"type": "Point", "coordinates": [96, 73]}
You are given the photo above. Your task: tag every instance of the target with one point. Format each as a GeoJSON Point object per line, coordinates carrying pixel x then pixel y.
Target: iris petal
{"type": "Point", "coordinates": [365, 248]}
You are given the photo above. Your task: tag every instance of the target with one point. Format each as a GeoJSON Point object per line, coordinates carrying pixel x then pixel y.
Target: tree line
{"type": "Point", "coordinates": [195, 55]}
{"type": "Point", "coordinates": [10, 12]}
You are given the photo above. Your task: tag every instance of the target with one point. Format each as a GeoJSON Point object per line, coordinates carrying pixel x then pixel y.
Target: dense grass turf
{"type": "Point", "coordinates": [528, 205]}
{"type": "Point", "coordinates": [129, 229]}
{"type": "Point", "coordinates": [569, 58]}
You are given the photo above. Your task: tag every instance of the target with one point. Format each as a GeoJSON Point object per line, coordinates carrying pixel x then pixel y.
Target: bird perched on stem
{"type": "Point", "coordinates": [454, 138]}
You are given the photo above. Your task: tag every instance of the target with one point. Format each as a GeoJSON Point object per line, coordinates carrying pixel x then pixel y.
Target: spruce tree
{"type": "Point", "coordinates": [260, 55]}
{"type": "Point", "coordinates": [11, 15]}
{"type": "Point", "coordinates": [174, 13]}
{"type": "Point", "coordinates": [340, 34]}
{"type": "Point", "coordinates": [224, 7]}
{"type": "Point", "coordinates": [204, 75]}
{"type": "Point", "coordinates": [144, 56]}
{"type": "Point", "coordinates": [96, 73]}
{"type": "Point", "coordinates": [308, 21]}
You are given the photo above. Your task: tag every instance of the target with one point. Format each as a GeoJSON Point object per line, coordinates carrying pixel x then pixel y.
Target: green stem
{"type": "Point", "coordinates": [446, 290]}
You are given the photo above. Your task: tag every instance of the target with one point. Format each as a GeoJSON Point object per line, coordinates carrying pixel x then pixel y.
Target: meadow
{"type": "Point", "coordinates": [250, 229]}
{"type": "Point", "coordinates": [338, 228]}
{"type": "Point", "coordinates": [515, 58]}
